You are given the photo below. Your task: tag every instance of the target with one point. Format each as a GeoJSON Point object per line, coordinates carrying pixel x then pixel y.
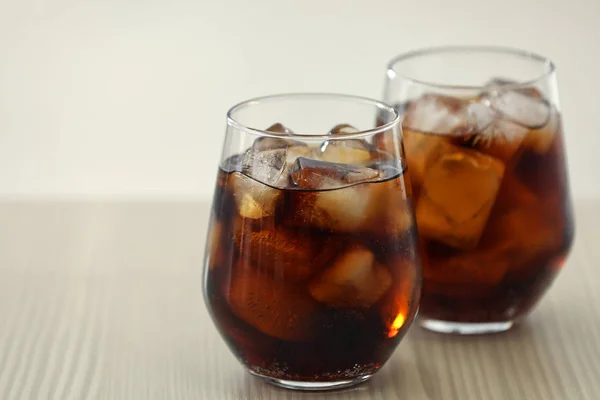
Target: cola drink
{"type": "Point", "coordinates": [312, 267]}
{"type": "Point", "coordinates": [492, 201]}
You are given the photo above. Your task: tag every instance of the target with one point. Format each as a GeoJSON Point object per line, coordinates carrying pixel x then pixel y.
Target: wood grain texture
{"type": "Point", "coordinates": [104, 301]}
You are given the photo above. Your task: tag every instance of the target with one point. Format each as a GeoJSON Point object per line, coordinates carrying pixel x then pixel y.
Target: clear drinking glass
{"type": "Point", "coordinates": [483, 138]}
{"type": "Point", "coordinates": [311, 271]}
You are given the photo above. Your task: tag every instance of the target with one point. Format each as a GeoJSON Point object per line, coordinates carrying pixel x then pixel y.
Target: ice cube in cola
{"type": "Point", "coordinates": [492, 202]}
{"type": "Point", "coordinates": [316, 256]}
{"type": "Point", "coordinates": [347, 151]}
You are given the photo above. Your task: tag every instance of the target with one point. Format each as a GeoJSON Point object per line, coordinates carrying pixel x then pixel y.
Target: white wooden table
{"type": "Point", "coordinates": [104, 301]}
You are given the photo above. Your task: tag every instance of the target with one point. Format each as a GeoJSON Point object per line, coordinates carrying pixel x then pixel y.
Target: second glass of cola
{"type": "Point", "coordinates": [483, 138]}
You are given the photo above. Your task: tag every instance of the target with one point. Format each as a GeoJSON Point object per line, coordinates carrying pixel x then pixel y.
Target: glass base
{"type": "Point", "coordinates": [465, 328]}
{"type": "Point", "coordinates": [312, 386]}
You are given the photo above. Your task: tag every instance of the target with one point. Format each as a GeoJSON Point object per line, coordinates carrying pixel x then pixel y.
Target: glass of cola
{"type": "Point", "coordinates": [312, 274]}
{"type": "Point", "coordinates": [484, 144]}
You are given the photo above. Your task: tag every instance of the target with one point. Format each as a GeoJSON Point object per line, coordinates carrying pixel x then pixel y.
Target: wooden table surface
{"type": "Point", "coordinates": [104, 301]}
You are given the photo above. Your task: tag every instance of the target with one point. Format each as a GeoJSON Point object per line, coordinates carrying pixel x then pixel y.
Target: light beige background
{"type": "Point", "coordinates": [126, 98]}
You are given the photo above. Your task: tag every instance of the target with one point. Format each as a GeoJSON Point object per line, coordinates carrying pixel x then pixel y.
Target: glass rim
{"type": "Point", "coordinates": [231, 121]}
{"type": "Point", "coordinates": [548, 65]}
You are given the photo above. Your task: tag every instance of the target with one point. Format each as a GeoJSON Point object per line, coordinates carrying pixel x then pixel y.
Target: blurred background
{"type": "Point", "coordinates": [127, 99]}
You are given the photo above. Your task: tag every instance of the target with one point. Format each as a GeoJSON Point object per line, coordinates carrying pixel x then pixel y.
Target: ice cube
{"type": "Point", "coordinates": [267, 166]}
{"type": "Point", "coordinates": [458, 193]}
{"type": "Point", "coordinates": [293, 254]}
{"type": "Point", "coordinates": [376, 207]}
{"type": "Point", "coordinates": [275, 307]}
{"type": "Point", "coordinates": [541, 140]}
{"type": "Point", "coordinates": [349, 151]}
{"type": "Point", "coordinates": [273, 143]}
{"type": "Point", "coordinates": [445, 115]}
{"type": "Point", "coordinates": [342, 129]}
{"type": "Point", "coordinates": [501, 139]}
{"type": "Point", "coordinates": [528, 91]}
{"type": "Point", "coordinates": [279, 128]}
{"type": "Point", "coordinates": [341, 210]}
{"type": "Point", "coordinates": [294, 152]}
{"type": "Point", "coordinates": [420, 148]}
{"type": "Point", "coordinates": [431, 113]}
{"type": "Point", "coordinates": [478, 117]}
{"type": "Point", "coordinates": [314, 174]}
{"type": "Point", "coordinates": [267, 143]}
{"type": "Point", "coordinates": [254, 200]}
{"type": "Point", "coordinates": [353, 280]}
{"type": "Point", "coordinates": [519, 107]}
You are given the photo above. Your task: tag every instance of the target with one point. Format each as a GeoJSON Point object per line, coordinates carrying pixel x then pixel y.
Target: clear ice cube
{"type": "Point", "coordinates": [273, 143]}
{"type": "Point", "coordinates": [294, 152]}
{"type": "Point", "coordinates": [528, 91]}
{"type": "Point", "coordinates": [446, 115]}
{"type": "Point", "coordinates": [458, 193]}
{"type": "Point", "coordinates": [348, 151]}
{"type": "Point", "coordinates": [279, 128]}
{"type": "Point", "coordinates": [254, 200]}
{"type": "Point", "coordinates": [315, 174]}
{"type": "Point", "coordinates": [341, 210]}
{"type": "Point", "coordinates": [379, 207]}
{"type": "Point", "coordinates": [342, 129]}
{"type": "Point", "coordinates": [265, 166]}
{"type": "Point", "coordinates": [420, 148]}
{"type": "Point", "coordinates": [353, 280]}
{"type": "Point", "coordinates": [501, 139]}
{"type": "Point", "coordinates": [519, 107]}
{"type": "Point", "coordinates": [541, 140]}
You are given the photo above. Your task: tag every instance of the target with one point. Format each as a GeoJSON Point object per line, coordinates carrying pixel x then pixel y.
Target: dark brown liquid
{"type": "Point", "coordinates": [264, 269]}
{"type": "Point", "coordinates": [525, 233]}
